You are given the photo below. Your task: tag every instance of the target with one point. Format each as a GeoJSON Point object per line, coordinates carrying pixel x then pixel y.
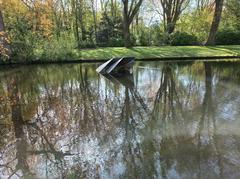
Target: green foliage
{"type": "Point", "coordinates": [110, 31]}
{"type": "Point", "coordinates": [23, 40]}
{"type": "Point", "coordinates": [87, 44]}
{"type": "Point", "coordinates": [21, 50]}
{"type": "Point", "coordinates": [116, 42]}
{"type": "Point", "coordinates": [183, 38]}
{"type": "Point", "coordinates": [57, 49]}
{"type": "Point", "coordinates": [50, 31]}
{"type": "Point", "coordinates": [231, 15]}
{"type": "Point", "coordinates": [158, 36]}
{"type": "Point", "coordinates": [197, 22]}
{"type": "Point", "coordinates": [142, 39]}
{"type": "Point", "coordinates": [151, 36]}
{"type": "Point", "coordinates": [228, 37]}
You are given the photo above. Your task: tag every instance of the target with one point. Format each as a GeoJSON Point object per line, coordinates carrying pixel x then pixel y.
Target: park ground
{"type": "Point", "coordinates": [161, 52]}
{"type": "Point", "coordinates": [140, 53]}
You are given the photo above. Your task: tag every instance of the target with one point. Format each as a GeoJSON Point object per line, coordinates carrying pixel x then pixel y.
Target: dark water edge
{"type": "Point", "coordinates": [166, 120]}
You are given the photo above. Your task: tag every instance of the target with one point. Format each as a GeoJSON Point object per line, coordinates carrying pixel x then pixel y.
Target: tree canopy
{"type": "Point", "coordinates": [44, 26]}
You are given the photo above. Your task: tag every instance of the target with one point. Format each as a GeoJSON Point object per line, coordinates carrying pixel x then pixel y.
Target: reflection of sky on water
{"type": "Point", "coordinates": [84, 125]}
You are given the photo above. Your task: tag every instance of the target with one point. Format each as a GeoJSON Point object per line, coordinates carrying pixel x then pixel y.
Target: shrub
{"type": "Point", "coordinates": [142, 39]}
{"type": "Point", "coordinates": [23, 48]}
{"type": "Point", "coordinates": [56, 49]}
{"type": "Point", "coordinates": [110, 31]}
{"type": "Point", "coordinates": [228, 37]}
{"type": "Point", "coordinates": [21, 51]}
{"type": "Point", "coordinates": [163, 39]}
{"type": "Point", "coordinates": [116, 42]}
{"type": "Point", "coordinates": [183, 38]}
{"type": "Point", "coordinates": [87, 44]}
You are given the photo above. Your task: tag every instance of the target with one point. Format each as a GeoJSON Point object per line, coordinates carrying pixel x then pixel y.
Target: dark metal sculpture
{"type": "Point", "coordinates": [117, 65]}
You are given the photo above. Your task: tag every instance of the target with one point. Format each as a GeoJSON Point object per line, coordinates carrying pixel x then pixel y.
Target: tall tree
{"type": "Point", "coordinates": [130, 9]}
{"type": "Point", "coordinates": [215, 22]}
{"type": "Point", "coordinates": [74, 4]}
{"type": "Point", "coordinates": [4, 49]}
{"type": "Point", "coordinates": [94, 13]}
{"type": "Point", "coordinates": [171, 11]}
{"type": "Point", "coordinates": [82, 7]}
{"type": "Point", "coordinates": [2, 29]}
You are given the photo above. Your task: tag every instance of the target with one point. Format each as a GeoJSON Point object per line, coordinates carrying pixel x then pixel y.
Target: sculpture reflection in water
{"type": "Point", "coordinates": [133, 115]}
{"type": "Point", "coordinates": [166, 120]}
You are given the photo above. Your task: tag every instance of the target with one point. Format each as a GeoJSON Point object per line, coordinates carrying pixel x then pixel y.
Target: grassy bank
{"type": "Point", "coordinates": [161, 52]}
{"type": "Point", "coordinates": [54, 54]}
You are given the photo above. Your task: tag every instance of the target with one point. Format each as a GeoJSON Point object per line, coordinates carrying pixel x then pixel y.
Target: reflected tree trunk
{"type": "Point", "coordinates": [167, 97]}
{"type": "Point", "coordinates": [208, 115]}
{"type": "Point", "coordinates": [132, 150]}
{"type": "Point", "coordinates": [207, 100]}
{"type": "Point", "coordinates": [18, 123]}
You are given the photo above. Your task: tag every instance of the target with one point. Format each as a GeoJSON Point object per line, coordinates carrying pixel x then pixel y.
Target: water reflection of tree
{"type": "Point", "coordinates": [18, 123]}
{"type": "Point", "coordinates": [133, 115]}
{"type": "Point", "coordinates": [167, 97]}
{"type": "Point", "coordinates": [32, 135]}
{"type": "Point", "coordinates": [172, 128]}
{"type": "Point", "coordinates": [207, 129]}
{"type": "Point", "coordinates": [73, 110]}
{"type": "Point", "coordinates": [167, 116]}
{"type": "Point", "coordinates": [169, 109]}
{"type": "Point", "coordinates": [23, 130]}
{"type": "Point", "coordinates": [174, 145]}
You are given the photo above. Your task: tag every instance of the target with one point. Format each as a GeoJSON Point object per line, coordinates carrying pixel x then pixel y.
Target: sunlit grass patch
{"type": "Point", "coordinates": [160, 52]}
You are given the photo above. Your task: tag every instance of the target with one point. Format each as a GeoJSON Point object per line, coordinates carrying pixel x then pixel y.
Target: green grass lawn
{"type": "Point", "coordinates": [143, 53]}
{"type": "Point", "coordinates": [160, 52]}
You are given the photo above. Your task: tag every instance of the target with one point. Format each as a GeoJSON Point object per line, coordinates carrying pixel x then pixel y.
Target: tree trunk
{"type": "Point", "coordinates": [112, 8]}
{"type": "Point", "coordinates": [2, 27]}
{"type": "Point", "coordinates": [137, 23]}
{"type": "Point", "coordinates": [126, 33]}
{"type": "Point", "coordinates": [75, 22]}
{"type": "Point", "coordinates": [170, 27]}
{"type": "Point", "coordinates": [4, 44]}
{"type": "Point", "coordinates": [82, 25]}
{"type": "Point", "coordinates": [129, 12]}
{"type": "Point", "coordinates": [215, 22]}
{"type": "Point", "coordinates": [94, 18]}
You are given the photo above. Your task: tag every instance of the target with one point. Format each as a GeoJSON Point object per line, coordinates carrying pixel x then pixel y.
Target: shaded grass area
{"type": "Point", "coordinates": [161, 52]}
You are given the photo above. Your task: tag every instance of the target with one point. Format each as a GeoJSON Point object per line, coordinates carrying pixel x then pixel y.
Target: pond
{"type": "Point", "coordinates": [166, 120]}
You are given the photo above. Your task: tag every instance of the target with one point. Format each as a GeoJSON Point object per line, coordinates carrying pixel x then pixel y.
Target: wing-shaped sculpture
{"type": "Point", "coordinates": [116, 65]}
{"type": "Point", "coordinates": [102, 68]}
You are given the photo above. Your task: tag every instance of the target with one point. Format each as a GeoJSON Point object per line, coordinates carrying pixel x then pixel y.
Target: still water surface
{"type": "Point", "coordinates": [166, 120]}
